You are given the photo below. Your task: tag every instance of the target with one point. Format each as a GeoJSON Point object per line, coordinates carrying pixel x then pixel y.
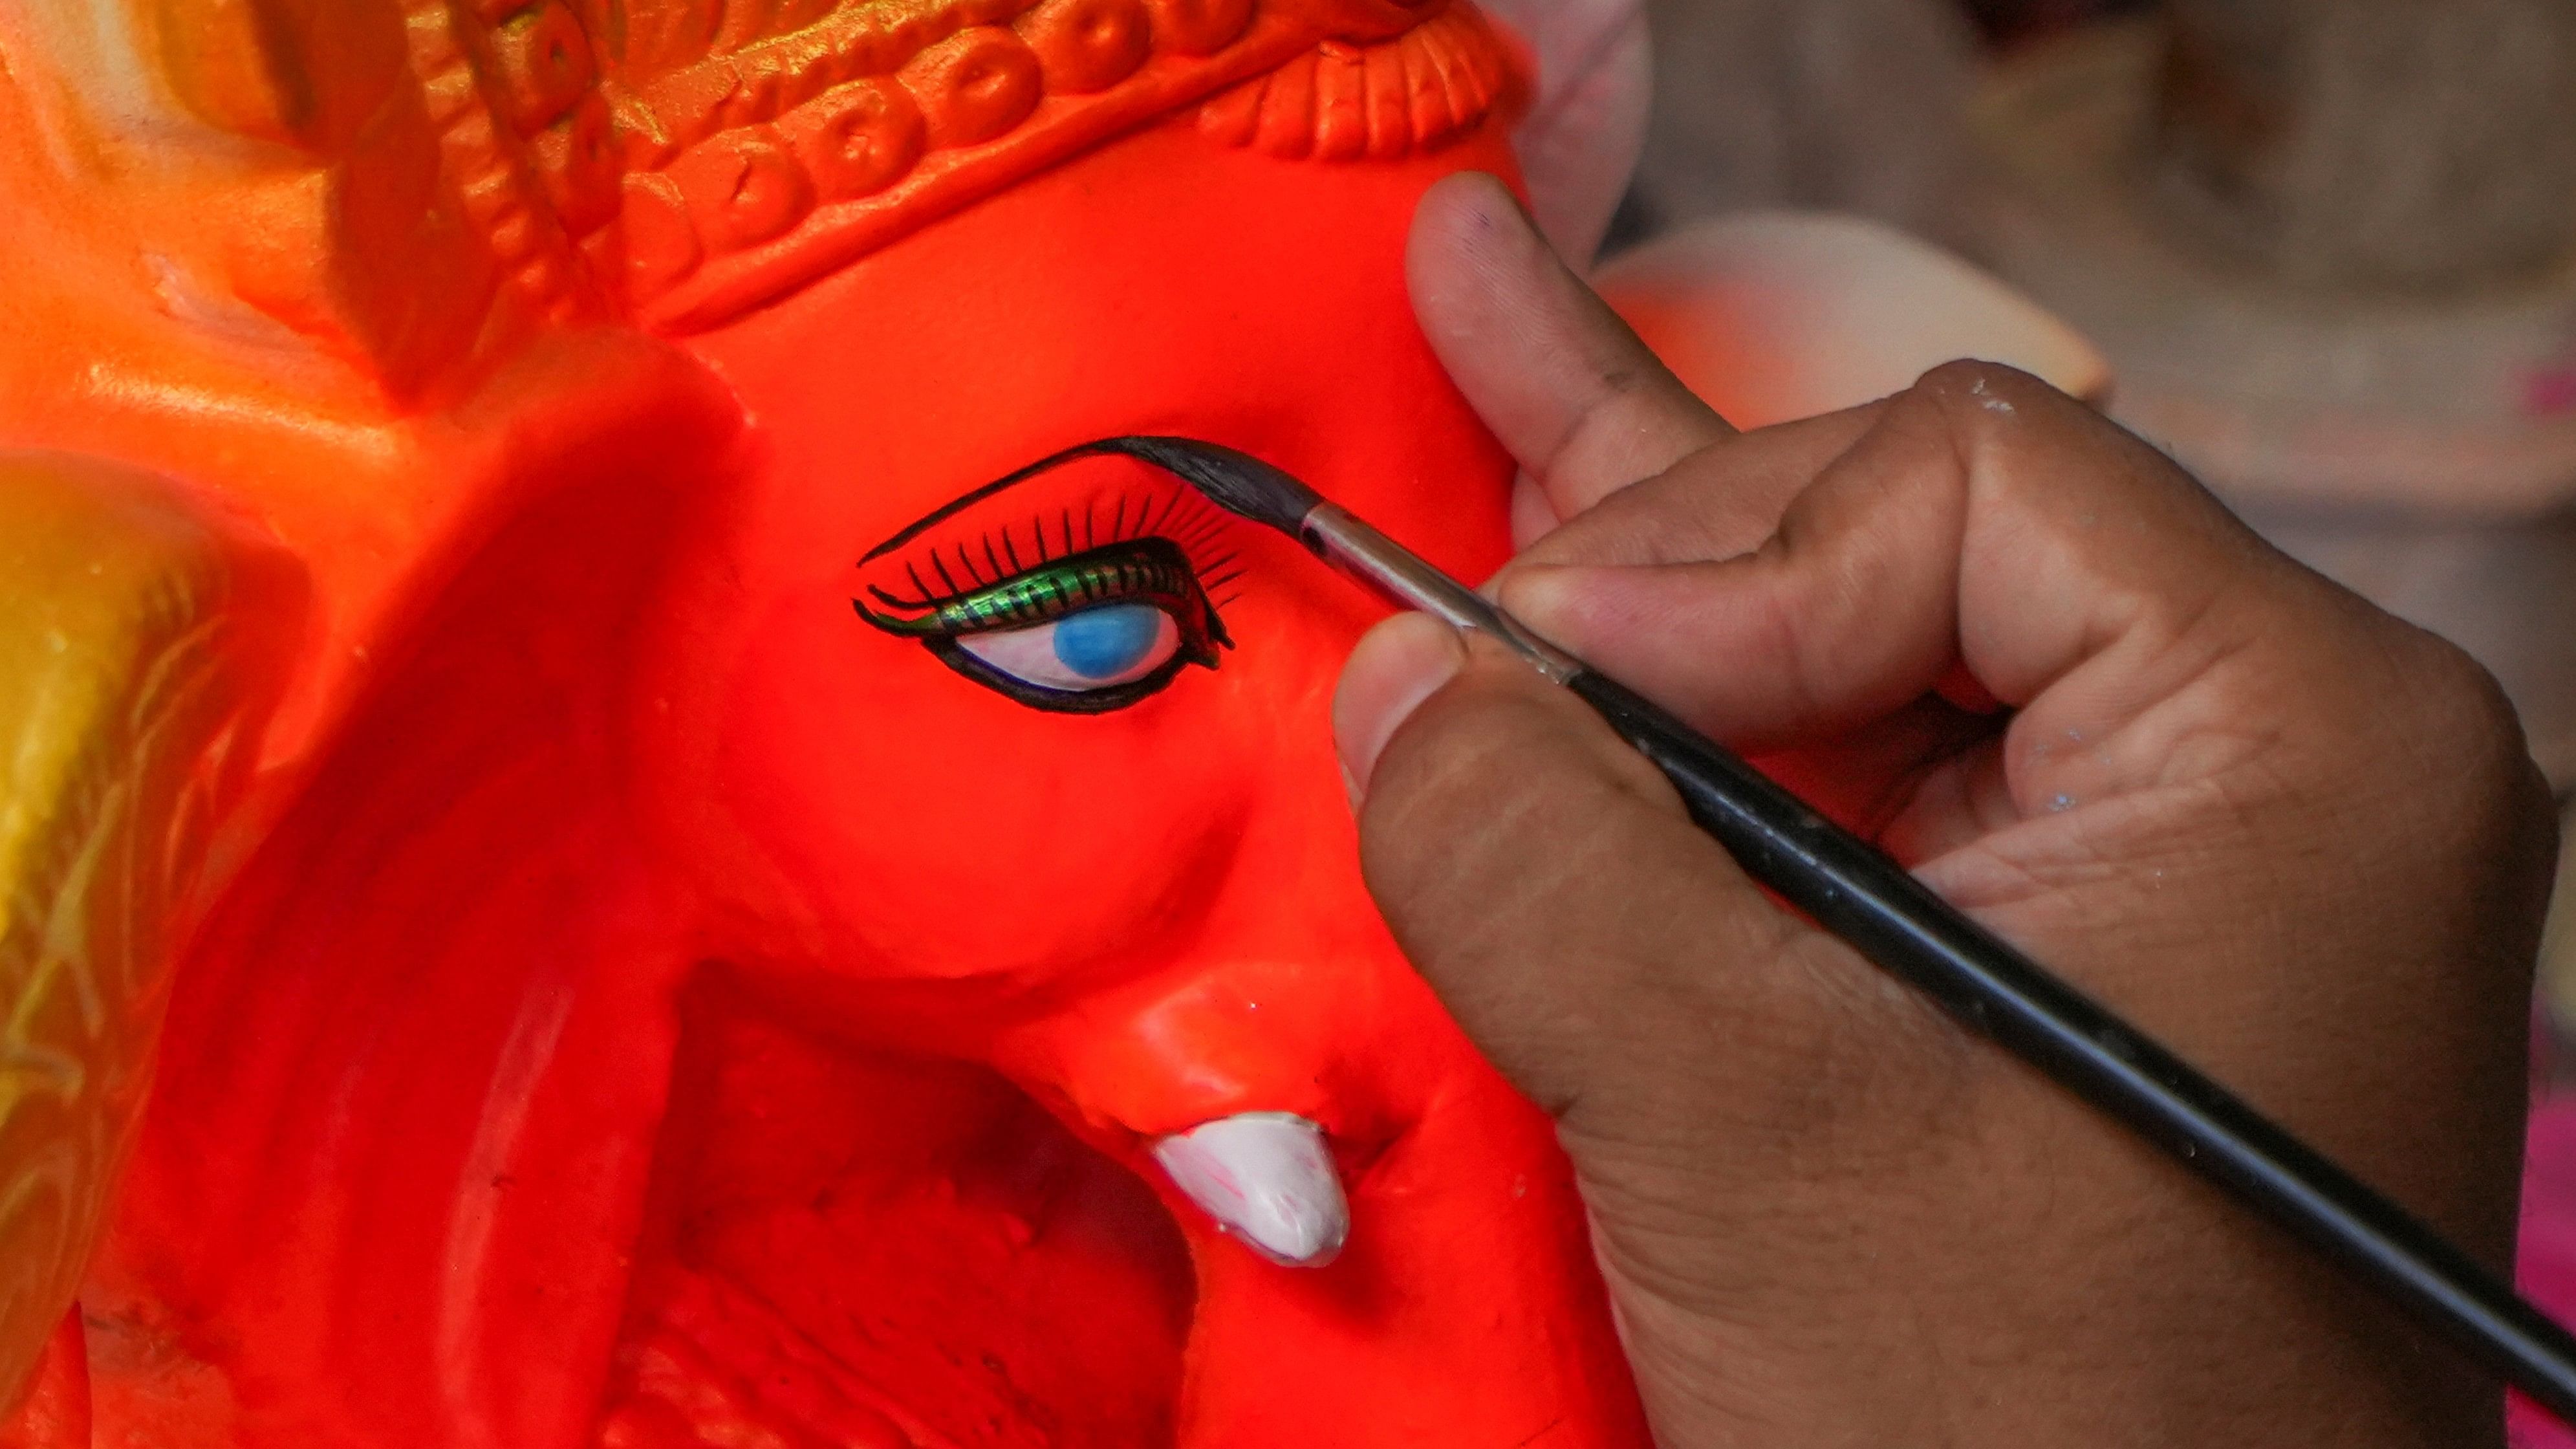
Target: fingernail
{"type": "Point", "coordinates": [1401, 663]}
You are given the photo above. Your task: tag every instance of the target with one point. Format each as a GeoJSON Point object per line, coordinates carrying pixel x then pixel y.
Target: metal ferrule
{"type": "Point", "coordinates": [1410, 581]}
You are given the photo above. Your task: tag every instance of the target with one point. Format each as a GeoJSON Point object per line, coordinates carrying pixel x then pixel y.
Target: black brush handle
{"type": "Point", "coordinates": [1855, 891]}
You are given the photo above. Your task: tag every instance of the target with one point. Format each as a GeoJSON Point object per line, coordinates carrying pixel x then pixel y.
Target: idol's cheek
{"type": "Point", "coordinates": [848, 805]}
{"type": "Point", "coordinates": [1386, 1238]}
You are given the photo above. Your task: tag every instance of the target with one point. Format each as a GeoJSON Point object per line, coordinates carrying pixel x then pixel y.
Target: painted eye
{"type": "Point", "coordinates": [1095, 649]}
{"type": "Point", "coordinates": [1089, 633]}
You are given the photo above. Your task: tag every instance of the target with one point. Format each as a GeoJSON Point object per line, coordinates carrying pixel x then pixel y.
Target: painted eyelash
{"type": "Point", "coordinates": [1051, 539]}
{"type": "Point", "coordinates": [1162, 549]}
{"type": "Point", "coordinates": [1152, 570]}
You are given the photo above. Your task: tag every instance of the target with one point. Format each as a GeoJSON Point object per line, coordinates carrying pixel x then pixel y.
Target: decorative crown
{"type": "Point", "coordinates": [685, 160]}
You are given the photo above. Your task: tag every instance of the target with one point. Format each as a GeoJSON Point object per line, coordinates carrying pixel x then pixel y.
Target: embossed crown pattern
{"type": "Point", "coordinates": [682, 161]}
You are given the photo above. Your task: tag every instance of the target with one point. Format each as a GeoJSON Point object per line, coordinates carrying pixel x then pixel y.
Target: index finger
{"type": "Point", "coordinates": [1567, 387]}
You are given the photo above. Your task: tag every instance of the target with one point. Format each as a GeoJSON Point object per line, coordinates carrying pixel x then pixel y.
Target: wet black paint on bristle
{"type": "Point", "coordinates": [1236, 482]}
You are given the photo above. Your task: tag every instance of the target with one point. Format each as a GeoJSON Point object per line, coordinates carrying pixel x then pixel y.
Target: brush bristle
{"type": "Point", "coordinates": [1236, 482]}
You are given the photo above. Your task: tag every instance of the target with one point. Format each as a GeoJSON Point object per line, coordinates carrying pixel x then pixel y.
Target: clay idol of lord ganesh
{"type": "Point", "coordinates": [573, 878]}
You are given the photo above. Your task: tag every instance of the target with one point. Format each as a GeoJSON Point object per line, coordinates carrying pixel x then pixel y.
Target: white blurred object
{"type": "Point", "coordinates": [1579, 143]}
{"type": "Point", "coordinates": [1782, 315]}
{"type": "Point", "coordinates": [1776, 315]}
{"type": "Point", "coordinates": [1846, 105]}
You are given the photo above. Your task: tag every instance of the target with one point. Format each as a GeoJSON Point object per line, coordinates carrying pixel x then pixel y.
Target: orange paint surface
{"type": "Point", "coordinates": [650, 1008]}
{"type": "Point", "coordinates": [57, 1413]}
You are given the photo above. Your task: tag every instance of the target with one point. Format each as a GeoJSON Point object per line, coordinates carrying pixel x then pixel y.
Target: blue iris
{"type": "Point", "coordinates": [1107, 642]}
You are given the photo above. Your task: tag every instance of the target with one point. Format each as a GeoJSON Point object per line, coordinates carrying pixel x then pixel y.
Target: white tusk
{"type": "Point", "coordinates": [1267, 1178]}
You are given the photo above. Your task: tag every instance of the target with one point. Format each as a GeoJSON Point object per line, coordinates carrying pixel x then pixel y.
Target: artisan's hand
{"type": "Point", "coordinates": [2292, 836]}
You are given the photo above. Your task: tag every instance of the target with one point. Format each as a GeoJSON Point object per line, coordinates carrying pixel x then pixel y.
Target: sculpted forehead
{"type": "Point", "coordinates": [1226, 295]}
{"type": "Point", "coordinates": [1159, 285]}
{"type": "Point", "coordinates": [769, 144]}
{"type": "Point", "coordinates": [435, 181]}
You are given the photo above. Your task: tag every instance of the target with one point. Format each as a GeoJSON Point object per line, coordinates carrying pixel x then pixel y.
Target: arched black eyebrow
{"type": "Point", "coordinates": [1128, 447]}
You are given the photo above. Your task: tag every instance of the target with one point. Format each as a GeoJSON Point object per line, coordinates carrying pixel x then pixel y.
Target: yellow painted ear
{"type": "Point", "coordinates": [140, 643]}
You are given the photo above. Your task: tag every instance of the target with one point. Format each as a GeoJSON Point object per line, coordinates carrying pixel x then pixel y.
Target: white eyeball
{"type": "Point", "coordinates": [1096, 649]}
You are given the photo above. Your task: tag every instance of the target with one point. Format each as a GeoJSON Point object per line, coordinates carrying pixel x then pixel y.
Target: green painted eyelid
{"type": "Point", "coordinates": [1152, 570]}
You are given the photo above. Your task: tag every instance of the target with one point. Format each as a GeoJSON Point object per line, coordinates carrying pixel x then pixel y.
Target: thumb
{"type": "Point", "coordinates": [1610, 958]}
{"type": "Point", "coordinates": [1693, 1041]}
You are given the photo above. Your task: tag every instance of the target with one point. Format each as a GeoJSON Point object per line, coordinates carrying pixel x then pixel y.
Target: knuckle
{"type": "Point", "coordinates": [2466, 715]}
{"type": "Point", "coordinates": [1989, 394]}
{"type": "Point", "coordinates": [1993, 412]}
{"type": "Point", "coordinates": [2434, 686]}
{"type": "Point", "coordinates": [1972, 377]}
{"type": "Point", "coordinates": [2410, 726]}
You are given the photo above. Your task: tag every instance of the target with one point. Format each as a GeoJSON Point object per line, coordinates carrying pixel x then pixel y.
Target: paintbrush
{"type": "Point", "coordinates": [1858, 893]}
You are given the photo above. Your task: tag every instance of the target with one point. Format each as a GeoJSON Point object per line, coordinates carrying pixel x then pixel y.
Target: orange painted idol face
{"type": "Point", "coordinates": [1042, 777]}
{"type": "Point", "coordinates": [1094, 702]}
{"type": "Point", "coordinates": [748, 933]}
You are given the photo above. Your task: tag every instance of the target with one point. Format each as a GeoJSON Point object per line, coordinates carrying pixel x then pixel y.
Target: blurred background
{"type": "Point", "coordinates": [2326, 247]}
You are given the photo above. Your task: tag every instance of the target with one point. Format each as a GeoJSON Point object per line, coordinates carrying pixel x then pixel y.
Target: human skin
{"type": "Point", "coordinates": [2295, 838]}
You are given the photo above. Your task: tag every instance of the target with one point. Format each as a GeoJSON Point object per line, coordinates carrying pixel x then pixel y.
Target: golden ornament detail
{"type": "Point", "coordinates": [135, 659]}
{"type": "Point", "coordinates": [685, 161]}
